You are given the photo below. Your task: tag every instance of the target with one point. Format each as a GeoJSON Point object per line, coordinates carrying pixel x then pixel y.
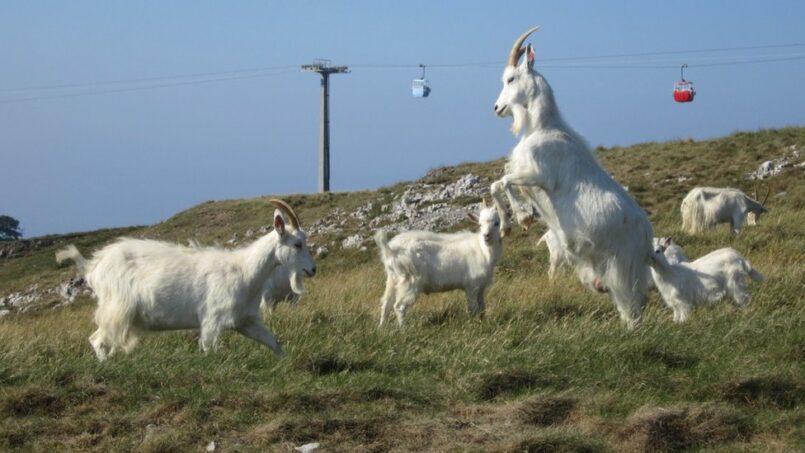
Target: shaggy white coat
{"type": "Point", "coordinates": [705, 207]}
{"type": "Point", "coordinates": [277, 288]}
{"type": "Point", "coordinates": [709, 279]}
{"type": "Point", "coordinates": [146, 285]}
{"type": "Point", "coordinates": [424, 262]}
{"type": "Point", "coordinates": [605, 232]}
{"type": "Point", "coordinates": [673, 253]}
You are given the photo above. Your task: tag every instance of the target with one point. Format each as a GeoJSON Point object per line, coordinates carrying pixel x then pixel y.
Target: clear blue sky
{"type": "Point", "coordinates": [75, 158]}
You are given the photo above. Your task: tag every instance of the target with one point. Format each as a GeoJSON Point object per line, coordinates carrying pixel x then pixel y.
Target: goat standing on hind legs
{"type": "Point", "coordinates": [552, 169]}
{"type": "Point", "coordinates": [145, 285]}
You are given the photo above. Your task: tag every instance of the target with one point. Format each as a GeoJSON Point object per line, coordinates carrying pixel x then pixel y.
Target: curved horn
{"type": "Point", "coordinates": [288, 210]}
{"type": "Point", "coordinates": [517, 48]}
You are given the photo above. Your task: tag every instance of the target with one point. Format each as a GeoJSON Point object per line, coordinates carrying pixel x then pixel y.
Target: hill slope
{"type": "Point", "coordinates": [549, 368]}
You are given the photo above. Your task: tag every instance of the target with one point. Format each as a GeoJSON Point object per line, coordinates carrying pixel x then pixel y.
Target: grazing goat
{"type": "Point", "coordinates": [553, 171]}
{"type": "Point", "coordinates": [423, 262]}
{"type": "Point", "coordinates": [705, 207]}
{"type": "Point", "coordinates": [145, 285]}
{"type": "Point", "coordinates": [709, 279]}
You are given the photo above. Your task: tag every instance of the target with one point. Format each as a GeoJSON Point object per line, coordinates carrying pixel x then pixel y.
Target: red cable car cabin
{"type": "Point", "coordinates": [683, 91]}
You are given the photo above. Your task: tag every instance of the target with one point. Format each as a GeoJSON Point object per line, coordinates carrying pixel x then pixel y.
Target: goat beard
{"type": "Point", "coordinates": [520, 115]}
{"type": "Point", "coordinates": [297, 286]}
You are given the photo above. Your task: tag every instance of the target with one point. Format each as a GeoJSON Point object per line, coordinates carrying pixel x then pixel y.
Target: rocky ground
{"type": "Point", "coordinates": [420, 206]}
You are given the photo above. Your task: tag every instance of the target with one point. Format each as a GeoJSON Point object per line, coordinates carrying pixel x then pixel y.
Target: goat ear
{"type": "Point", "coordinates": [472, 217]}
{"type": "Point", "coordinates": [279, 224]}
{"type": "Point", "coordinates": [529, 56]}
{"type": "Point", "coordinates": [279, 213]}
{"type": "Point", "coordinates": [667, 242]}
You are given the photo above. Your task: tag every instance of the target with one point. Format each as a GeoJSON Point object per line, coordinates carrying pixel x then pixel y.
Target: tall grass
{"type": "Point", "coordinates": [548, 368]}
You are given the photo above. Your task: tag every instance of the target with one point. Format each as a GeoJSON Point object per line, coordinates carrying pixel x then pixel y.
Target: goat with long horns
{"type": "Point", "coordinates": [552, 171]}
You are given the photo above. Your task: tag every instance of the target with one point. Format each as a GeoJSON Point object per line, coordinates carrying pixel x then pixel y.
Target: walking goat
{"type": "Point", "coordinates": [709, 279]}
{"type": "Point", "coordinates": [145, 285]}
{"type": "Point", "coordinates": [705, 207]}
{"type": "Point", "coordinates": [552, 170]}
{"type": "Point", "coordinates": [278, 287]}
{"type": "Point", "coordinates": [423, 262]}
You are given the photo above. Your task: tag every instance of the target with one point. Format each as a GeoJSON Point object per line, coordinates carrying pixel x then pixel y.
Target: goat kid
{"type": "Point", "coordinates": [146, 285]}
{"type": "Point", "coordinates": [424, 262]}
{"type": "Point", "coordinates": [553, 171]}
{"type": "Point", "coordinates": [709, 279]}
{"type": "Point", "coordinates": [673, 253]}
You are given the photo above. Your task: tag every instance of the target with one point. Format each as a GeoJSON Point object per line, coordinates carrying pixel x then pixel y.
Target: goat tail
{"type": "Point", "coordinates": [382, 241]}
{"type": "Point", "coordinates": [693, 218]}
{"type": "Point", "coordinates": [71, 253]}
{"type": "Point", "coordinates": [396, 264]}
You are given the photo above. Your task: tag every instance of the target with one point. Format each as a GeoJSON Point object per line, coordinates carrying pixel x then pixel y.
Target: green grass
{"type": "Point", "coordinates": [549, 368]}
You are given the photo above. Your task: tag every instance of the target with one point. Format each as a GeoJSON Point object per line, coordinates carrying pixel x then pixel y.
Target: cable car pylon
{"type": "Point", "coordinates": [324, 69]}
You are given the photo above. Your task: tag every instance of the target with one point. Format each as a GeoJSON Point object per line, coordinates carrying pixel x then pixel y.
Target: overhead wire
{"type": "Point", "coordinates": [139, 88]}
{"type": "Point", "coordinates": [146, 79]}
{"type": "Point", "coordinates": [581, 62]}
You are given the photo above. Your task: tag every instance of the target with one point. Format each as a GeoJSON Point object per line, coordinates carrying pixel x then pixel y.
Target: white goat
{"type": "Point", "coordinates": [557, 254]}
{"type": "Point", "coordinates": [423, 262]}
{"type": "Point", "coordinates": [277, 288]}
{"type": "Point", "coordinates": [705, 207]}
{"type": "Point", "coordinates": [673, 253]}
{"type": "Point", "coordinates": [709, 279]}
{"type": "Point", "coordinates": [146, 285]}
{"type": "Point", "coordinates": [553, 170]}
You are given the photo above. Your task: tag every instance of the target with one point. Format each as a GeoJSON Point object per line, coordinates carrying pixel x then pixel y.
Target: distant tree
{"type": "Point", "coordinates": [9, 228]}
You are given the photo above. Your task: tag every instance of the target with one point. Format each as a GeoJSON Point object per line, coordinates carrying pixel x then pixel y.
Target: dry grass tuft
{"type": "Point", "coordinates": [33, 401]}
{"type": "Point", "coordinates": [510, 382]}
{"type": "Point", "coordinates": [545, 410]}
{"type": "Point", "coordinates": [670, 359]}
{"type": "Point", "coordinates": [764, 391]}
{"type": "Point", "coordinates": [555, 442]}
{"type": "Point", "coordinates": [338, 431]}
{"type": "Point", "coordinates": [324, 365]}
{"type": "Point", "coordinates": [658, 429]}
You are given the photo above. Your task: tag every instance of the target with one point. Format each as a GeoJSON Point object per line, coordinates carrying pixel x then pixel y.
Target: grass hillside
{"type": "Point", "coordinates": [549, 368]}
